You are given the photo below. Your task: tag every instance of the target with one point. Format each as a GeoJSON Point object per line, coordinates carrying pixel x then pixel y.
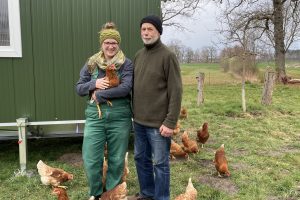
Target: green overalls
{"type": "Point", "coordinates": [113, 128]}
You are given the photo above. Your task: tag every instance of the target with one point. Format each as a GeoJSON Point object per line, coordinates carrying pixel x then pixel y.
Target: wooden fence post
{"type": "Point", "coordinates": [200, 79]}
{"type": "Point", "coordinates": [243, 85]}
{"type": "Point", "coordinates": [268, 88]}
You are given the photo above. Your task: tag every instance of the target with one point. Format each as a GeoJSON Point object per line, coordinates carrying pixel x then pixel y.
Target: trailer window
{"type": "Point", "coordinates": [10, 31]}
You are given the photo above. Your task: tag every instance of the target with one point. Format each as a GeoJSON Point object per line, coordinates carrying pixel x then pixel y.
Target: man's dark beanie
{"type": "Point", "coordinates": [155, 21]}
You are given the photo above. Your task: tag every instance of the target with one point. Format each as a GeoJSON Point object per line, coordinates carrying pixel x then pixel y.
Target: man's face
{"type": "Point", "coordinates": [149, 33]}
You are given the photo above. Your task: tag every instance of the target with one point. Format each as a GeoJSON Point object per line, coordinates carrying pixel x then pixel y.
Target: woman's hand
{"type": "Point", "coordinates": [102, 83]}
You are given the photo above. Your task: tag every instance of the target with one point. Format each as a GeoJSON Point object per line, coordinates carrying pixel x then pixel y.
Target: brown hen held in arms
{"type": "Point", "coordinates": [112, 76]}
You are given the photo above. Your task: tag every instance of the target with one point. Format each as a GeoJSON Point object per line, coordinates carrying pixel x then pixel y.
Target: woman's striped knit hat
{"type": "Point", "coordinates": [109, 31]}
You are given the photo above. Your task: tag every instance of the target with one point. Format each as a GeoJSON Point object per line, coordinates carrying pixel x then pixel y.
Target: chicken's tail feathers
{"type": "Point", "coordinates": [126, 159]}
{"type": "Point", "coordinates": [124, 184]}
{"type": "Point", "coordinates": [191, 190]}
{"type": "Point", "coordinates": [40, 165]}
{"type": "Point", "coordinates": [190, 181]}
{"type": "Point", "coordinates": [42, 168]}
{"type": "Point", "coordinates": [185, 134]}
{"type": "Point", "coordinates": [92, 198]}
{"type": "Point", "coordinates": [126, 162]}
{"type": "Point", "coordinates": [190, 184]}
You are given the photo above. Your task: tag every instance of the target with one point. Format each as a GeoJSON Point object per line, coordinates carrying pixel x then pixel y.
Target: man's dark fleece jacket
{"type": "Point", "coordinates": [157, 86]}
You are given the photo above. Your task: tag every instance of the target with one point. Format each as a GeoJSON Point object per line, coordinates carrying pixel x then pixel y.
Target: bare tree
{"type": "Point", "coordinates": [212, 54]}
{"type": "Point", "coordinates": [178, 48]}
{"type": "Point", "coordinates": [205, 54]}
{"type": "Point", "coordinates": [189, 55]}
{"type": "Point", "coordinates": [172, 9]}
{"type": "Point", "coordinates": [197, 56]}
{"type": "Point", "coordinates": [276, 20]}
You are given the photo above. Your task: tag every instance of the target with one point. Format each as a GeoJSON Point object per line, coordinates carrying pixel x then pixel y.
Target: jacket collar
{"type": "Point", "coordinates": [154, 45]}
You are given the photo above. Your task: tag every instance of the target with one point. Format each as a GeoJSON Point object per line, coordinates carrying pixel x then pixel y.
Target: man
{"type": "Point", "coordinates": [156, 103]}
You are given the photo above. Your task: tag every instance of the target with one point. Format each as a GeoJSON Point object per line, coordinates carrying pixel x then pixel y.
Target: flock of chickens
{"type": "Point", "coordinates": [55, 176]}
{"type": "Point", "coordinates": [191, 146]}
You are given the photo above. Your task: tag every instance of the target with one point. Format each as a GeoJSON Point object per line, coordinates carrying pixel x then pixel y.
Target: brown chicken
{"type": "Point", "coordinates": [112, 76]}
{"type": "Point", "coordinates": [221, 162]}
{"type": "Point", "coordinates": [177, 128]}
{"type": "Point", "coordinates": [118, 193]}
{"type": "Point", "coordinates": [183, 113]}
{"type": "Point", "coordinates": [190, 146]}
{"type": "Point", "coordinates": [177, 151]}
{"type": "Point", "coordinates": [61, 193]}
{"type": "Point", "coordinates": [126, 168]}
{"type": "Point", "coordinates": [113, 79]}
{"type": "Point", "coordinates": [203, 134]}
{"type": "Point", "coordinates": [52, 176]}
{"type": "Point", "coordinates": [105, 151]}
{"type": "Point", "coordinates": [190, 192]}
{"type": "Point", "coordinates": [104, 172]}
{"type": "Point", "coordinates": [125, 172]}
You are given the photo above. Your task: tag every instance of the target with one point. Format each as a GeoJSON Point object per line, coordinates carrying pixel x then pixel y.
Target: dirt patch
{"type": "Point", "coordinates": [74, 159]}
{"type": "Point", "coordinates": [225, 126]}
{"type": "Point", "coordinates": [238, 166]}
{"type": "Point", "coordinates": [178, 160]}
{"type": "Point", "coordinates": [207, 163]}
{"type": "Point", "coordinates": [223, 184]}
{"type": "Point", "coordinates": [239, 152]}
{"type": "Point", "coordinates": [280, 198]}
{"type": "Point", "coordinates": [280, 152]}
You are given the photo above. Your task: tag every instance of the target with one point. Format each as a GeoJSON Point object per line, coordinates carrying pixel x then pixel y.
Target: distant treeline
{"type": "Point", "coordinates": [293, 55]}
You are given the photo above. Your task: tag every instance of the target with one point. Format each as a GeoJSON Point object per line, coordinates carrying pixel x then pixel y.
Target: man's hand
{"type": "Point", "coordinates": [165, 131]}
{"type": "Point", "coordinates": [102, 83]}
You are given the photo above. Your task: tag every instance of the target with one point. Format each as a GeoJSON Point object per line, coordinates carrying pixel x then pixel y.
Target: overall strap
{"type": "Point", "coordinates": [95, 73]}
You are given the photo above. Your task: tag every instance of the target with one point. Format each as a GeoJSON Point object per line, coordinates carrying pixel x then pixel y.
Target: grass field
{"type": "Point", "coordinates": [262, 145]}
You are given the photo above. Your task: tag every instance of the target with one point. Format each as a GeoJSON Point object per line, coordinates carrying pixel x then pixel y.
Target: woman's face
{"type": "Point", "coordinates": [110, 48]}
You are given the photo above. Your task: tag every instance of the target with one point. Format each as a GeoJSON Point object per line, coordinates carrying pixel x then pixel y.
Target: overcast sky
{"type": "Point", "coordinates": [202, 30]}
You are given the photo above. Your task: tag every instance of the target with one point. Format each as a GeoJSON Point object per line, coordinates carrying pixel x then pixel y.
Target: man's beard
{"type": "Point", "coordinates": [151, 41]}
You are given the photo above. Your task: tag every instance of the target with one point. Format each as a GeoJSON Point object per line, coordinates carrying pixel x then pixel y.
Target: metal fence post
{"type": "Point", "coordinates": [22, 132]}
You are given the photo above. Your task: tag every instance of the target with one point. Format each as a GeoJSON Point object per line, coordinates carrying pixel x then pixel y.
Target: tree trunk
{"type": "Point", "coordinates": [268, 88]}
{"type": "Point", "coordinates": [200, 80]}
{"type": "Point", "coordinates": [279, 40]}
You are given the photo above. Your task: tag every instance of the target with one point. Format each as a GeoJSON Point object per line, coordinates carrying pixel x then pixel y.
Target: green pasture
{"type": "Point", "coordinates": [262, 145]}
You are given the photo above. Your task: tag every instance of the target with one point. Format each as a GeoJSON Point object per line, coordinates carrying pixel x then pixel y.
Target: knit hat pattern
{"type": "Point", "coordinates": [109, 31]}
{"type": "Point", "coordinates": [155, 21]}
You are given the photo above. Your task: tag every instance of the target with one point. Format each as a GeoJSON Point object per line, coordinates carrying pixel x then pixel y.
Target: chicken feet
{"type": "Point", "coordinates": [109, 103]}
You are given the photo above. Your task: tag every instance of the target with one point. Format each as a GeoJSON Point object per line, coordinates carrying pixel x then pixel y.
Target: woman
{"type": "Point", "coordinates": [108, 113]}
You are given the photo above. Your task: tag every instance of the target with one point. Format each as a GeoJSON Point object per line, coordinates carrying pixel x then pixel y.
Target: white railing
{"type": "Point", "coordinates": [22, 124]}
